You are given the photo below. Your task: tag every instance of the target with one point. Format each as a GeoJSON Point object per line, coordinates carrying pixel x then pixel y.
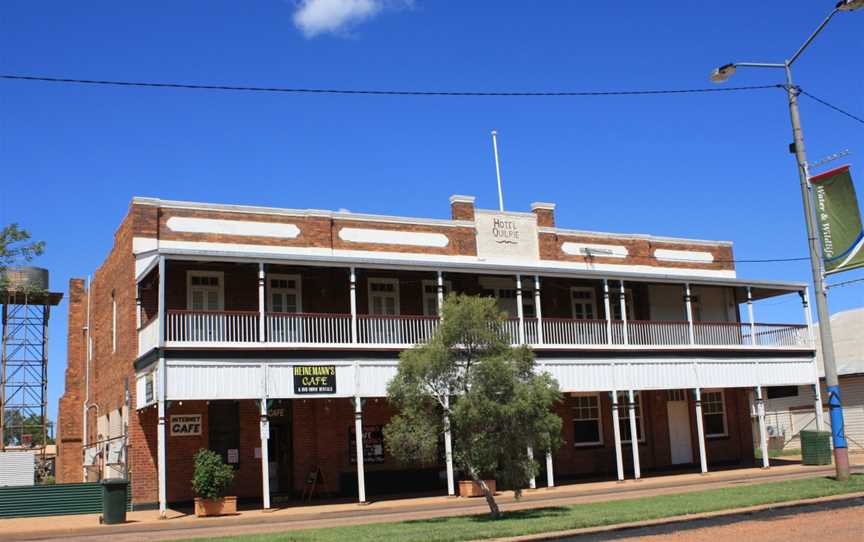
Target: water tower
{"type": "Point", "coordinates": [26, 304]}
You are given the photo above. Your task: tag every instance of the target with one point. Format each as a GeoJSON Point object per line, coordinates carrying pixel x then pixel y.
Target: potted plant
{"type": "Point", "coordinates": [209, 481]}
{"type": "Point", "coordinates": [471, 488]}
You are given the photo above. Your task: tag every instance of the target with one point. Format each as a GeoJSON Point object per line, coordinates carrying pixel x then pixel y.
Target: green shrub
{"type": "Point", "coordinates": [211, 475]}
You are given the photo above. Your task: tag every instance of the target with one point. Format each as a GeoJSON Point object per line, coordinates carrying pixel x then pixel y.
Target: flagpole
{"type": "Point", "coordinates": [498, 170]}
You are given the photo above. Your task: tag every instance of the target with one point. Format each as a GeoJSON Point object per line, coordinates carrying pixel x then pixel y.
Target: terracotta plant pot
{"type": "Point", "coordinates": [215, 507]}
{"type": "Point", "coordinates": [470, 488]}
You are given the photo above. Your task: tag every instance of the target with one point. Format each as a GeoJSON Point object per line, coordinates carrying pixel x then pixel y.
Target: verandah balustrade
{"type": "Point", "coordinates": [217, 327]}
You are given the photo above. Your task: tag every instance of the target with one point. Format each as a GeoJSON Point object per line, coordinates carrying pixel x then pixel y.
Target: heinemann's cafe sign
{"type": "Point", "coordinates": [839, 220]}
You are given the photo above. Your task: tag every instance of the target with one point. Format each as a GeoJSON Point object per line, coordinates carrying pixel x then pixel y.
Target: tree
{"type": "Point", "coordinates": [467, 377]}
{"type": "Point", "coordinates": [16, 247]}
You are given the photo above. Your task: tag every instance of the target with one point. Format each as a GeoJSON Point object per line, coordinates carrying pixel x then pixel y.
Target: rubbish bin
{"type": "Point", "coordinates": [815, 447]}
{"type": "Point", "coordinates": [114, 501]}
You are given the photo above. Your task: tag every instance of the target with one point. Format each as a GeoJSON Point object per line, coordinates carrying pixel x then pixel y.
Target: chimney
{"type": "Point", "coordinates": [545, 214]}
{"type": "Point", "coordinates": [462, 207]}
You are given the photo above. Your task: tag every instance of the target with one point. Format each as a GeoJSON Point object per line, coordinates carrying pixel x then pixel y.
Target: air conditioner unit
{"type": "Point", "coordinates": [775, 431]}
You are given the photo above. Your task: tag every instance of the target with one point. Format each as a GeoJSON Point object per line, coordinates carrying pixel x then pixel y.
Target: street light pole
{"type": "Point", "coordinates": [832, 382]}
{"type": "Point", "coordinates": [841, 452]}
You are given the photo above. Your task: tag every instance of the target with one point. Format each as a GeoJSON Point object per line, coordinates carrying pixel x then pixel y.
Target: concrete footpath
{"type": "Point", "coordinates": [147, 525]}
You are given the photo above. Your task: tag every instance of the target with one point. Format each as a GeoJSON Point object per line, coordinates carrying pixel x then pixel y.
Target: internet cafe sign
{"type": "Point", "coordinates": [507, 236]}
{"type": "Point", "coordinates": [186, 425]}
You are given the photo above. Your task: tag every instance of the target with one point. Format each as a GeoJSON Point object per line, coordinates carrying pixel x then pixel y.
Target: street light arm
{"type": "Point", "coordinates": [758, 65]}
{"type": "Point", "coordinates": [813, 35]}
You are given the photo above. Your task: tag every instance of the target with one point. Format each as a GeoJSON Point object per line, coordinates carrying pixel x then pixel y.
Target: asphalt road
{"type": "Point", "coordinates": [838, 522]}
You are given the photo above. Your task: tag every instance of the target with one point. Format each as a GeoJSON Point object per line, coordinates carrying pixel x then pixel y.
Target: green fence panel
{"type": "Point", "coordinates": [54, 500]}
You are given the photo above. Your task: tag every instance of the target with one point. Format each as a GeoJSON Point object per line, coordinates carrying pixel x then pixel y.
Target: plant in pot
{"type": "Point", "coordinates": [209, 482]}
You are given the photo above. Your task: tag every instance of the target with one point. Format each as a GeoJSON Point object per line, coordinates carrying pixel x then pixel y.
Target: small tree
{"type": "Point", "coordinates": [469, 379]}
{"type": "Point", "coordinates": [15, 246]}
{"type": "Point", "coordinates": [211, 475]}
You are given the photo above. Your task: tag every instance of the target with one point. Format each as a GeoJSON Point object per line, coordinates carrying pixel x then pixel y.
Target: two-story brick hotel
{"type": "Point", "coordinates": [269, 335]}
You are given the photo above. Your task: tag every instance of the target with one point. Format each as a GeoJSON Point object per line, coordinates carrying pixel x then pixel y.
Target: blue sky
{"type": "Point", "coordinates": [707, 166]}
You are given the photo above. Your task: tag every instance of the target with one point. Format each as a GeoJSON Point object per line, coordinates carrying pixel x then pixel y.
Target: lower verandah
{"type": "Point", "coordinates": [312, 448]}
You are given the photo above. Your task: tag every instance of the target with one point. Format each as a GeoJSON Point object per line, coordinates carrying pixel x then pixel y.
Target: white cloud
{"type": "Point", "coordinates": [314, 17]}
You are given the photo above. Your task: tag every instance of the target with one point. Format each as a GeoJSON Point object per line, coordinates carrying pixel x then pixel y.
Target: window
{"type": "Point", "coordinates": [430, 296]}
{"type": "Point", "coordinates": [624, 418]}
{"type": "Point", "coordinates": [587, 426]}
{"type": "Point", "coordinates": [583, 303]}
{"type": "Point", "coordinates": [284, 293]}
{"type": "Point", "coordinates": [206, 291]}
{"type": "Point", "coordinates": [113, 322]}
{"type": "Point", "coordinates": [714, 413]}
{"type": "Point", "coordinates": [696, 307]}
{"type": "Point", "coordinates": [504, 291]}
{"type": "Point", "coordinates": [384, 297]}
{"type": "Point", "coordinates": [615, 303]}
{"type": "Point", "coordinates": [779, 392]}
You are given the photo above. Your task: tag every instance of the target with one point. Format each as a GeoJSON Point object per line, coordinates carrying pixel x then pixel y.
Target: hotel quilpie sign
{"type": "Point", "coordinates": [309, 379]}
{"type": "Point", "coordinates": [506, 236]}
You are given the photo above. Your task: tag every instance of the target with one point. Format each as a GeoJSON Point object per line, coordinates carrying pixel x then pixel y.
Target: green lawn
{"type": "Point", "coordinates": [778, 453]}
{"type": "Point", "coordinates": [571, 517]}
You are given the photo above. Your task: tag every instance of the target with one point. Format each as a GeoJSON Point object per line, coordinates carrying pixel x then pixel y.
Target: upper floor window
{"type": "Point", "coordinates": [583, 304]}
{"type": "Point", "coordinates": [430, 296]}
{"type": "Point", "coordinates": [284, 293]}
{"type": "Point", "coordinates": [384, 296]}
{"type": "Point", "coordinates": [505, 293]}
{"type": "Point", "coordinates": [206, 290]}
{"type": "Point", "coordinates": [615, 303]}
{"type": "Point", "coordinates": [113, 321]}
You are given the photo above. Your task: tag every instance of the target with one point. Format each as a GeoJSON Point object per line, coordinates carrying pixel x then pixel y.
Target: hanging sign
{"type": "Point", "coordinates": [839, 220]}
{"type": "Point", "coordinates": [373, 444]}
{"type": "Point", "coordinates": [314, 379]}
{"type": "Point", "coordinates": [185, 425]}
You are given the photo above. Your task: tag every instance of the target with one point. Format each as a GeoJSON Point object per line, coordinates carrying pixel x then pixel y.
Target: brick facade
{"type": "Point", "coordinates": [320, 429]}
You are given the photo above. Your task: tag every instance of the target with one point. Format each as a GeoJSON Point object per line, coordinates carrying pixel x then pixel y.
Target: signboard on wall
{"type": "Point", "coordinates": [310, 379]}
{"type": "Point", "coordinates": [185, 425]}
{"type": "Point", "coordinates": [507, 236]}
{"type": "Point", "coordinates": [373, 444]}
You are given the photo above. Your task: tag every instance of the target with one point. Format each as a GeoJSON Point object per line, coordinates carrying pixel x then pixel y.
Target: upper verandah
{"type": "Point", "coordinates": [474, 238]}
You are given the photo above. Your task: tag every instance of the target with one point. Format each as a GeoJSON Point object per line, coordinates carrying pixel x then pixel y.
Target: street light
{"type": "Point", "coordinates": [721, 74]}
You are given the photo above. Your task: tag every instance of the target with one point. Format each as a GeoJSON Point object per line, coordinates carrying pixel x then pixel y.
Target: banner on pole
{"type": "Point", "coordinates": [839, 220]}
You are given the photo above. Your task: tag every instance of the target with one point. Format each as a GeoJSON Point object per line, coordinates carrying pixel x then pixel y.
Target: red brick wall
{"type": "Point", "coordinates": [69, 466]}
{"type": "Point", "coordinates": [640, 251]}
{"type": "Point", "coordinates": [654, 452]}
{"type": "Point", "coordinates": [111, 370]}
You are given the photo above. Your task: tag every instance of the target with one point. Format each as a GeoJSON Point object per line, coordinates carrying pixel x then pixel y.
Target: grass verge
{"type": "Point", "coordinates": [559, 518]}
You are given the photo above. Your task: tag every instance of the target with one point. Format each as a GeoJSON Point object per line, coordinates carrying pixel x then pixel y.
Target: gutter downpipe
{"type": "Point", "coordinates": [85, 406]}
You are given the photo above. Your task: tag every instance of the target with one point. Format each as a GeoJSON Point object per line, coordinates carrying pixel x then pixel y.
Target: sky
{"type": "Point", "coordinates": [711, 166]}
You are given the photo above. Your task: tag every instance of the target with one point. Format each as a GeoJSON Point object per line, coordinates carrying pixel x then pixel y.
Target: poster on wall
{"type": "Point", "coordinates": [314, 379]}
{"type": "Point", "coordinates": [373, 444]}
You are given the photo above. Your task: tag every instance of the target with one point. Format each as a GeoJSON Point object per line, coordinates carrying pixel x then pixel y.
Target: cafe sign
{"type": "Point", "coordinates": [311, 379]}
{"type": "Point", "coordinates": [506, 236]}
{"type": "Point", "coordinates": [185, 425]}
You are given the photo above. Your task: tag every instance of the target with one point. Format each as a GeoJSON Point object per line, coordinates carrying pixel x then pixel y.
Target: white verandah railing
{"type": "Point", "coordinates": [211, 326]}
{"type": "Point", "coordinates": [377, 329]}
{"type": "Point", "coordinates": [336, 329]}
{"type": "Point", "coordinates": [315, 328]}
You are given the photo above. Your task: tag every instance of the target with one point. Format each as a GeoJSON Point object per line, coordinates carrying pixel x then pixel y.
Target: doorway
{"type": "Point", "coordinates": [280, 449]}
{"type": "Point", "coordinates": [680, 441]}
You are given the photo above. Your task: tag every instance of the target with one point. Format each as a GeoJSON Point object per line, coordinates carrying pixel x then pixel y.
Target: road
{"type": "Point", "coordinates": [838, 522]}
